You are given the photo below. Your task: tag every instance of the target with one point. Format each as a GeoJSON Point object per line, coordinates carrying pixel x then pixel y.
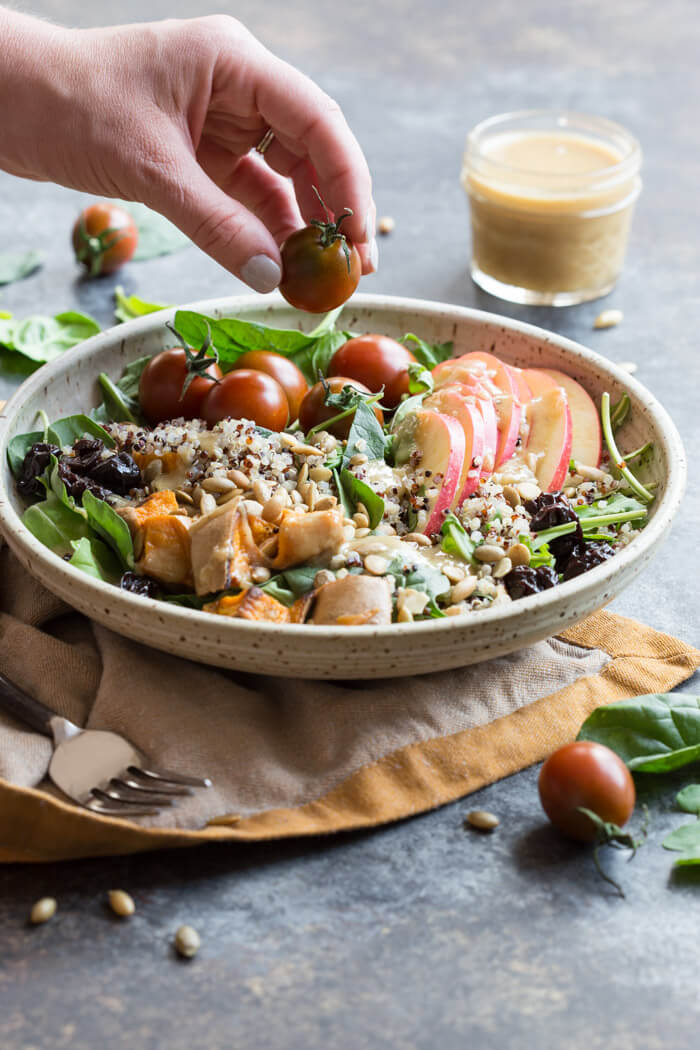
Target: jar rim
{"type": "Point", "coordinates": [554, 119]}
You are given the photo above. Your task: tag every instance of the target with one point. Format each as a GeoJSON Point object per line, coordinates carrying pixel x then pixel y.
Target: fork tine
{"type": "Point", "coordinates": [168, 775]}
{"type": "Point", "coordinates": [149, 785]}
{"type": "Point", "coordinates": [118, 789]}
{"type": "Point", "coordinates": [113, 795]}
{"type": "Point", "coordinates": [119, 809]}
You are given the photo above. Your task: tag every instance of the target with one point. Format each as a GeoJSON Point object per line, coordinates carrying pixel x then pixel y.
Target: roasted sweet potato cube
{"type": "Point", "coordinates": [306, 536]}
{"type": "Point", "coordinates": [166, 549]}
{"type": "Point", "coordinates": [252, 604]}
{"type": "Point", "coordinates": [157, 505]}
{"type": "Point", "coordinates": [353, 601]}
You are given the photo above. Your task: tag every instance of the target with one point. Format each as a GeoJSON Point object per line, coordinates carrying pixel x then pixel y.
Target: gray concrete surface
{"type": "Point", "coordinates": [421, 935]}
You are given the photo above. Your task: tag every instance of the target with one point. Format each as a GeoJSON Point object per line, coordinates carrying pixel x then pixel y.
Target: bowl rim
{"type": "Point", "coordinates": [581, 587]}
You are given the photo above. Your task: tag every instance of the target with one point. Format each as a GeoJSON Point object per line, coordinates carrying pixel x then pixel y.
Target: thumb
{"type": "Point", "coordinates": [221, 227]}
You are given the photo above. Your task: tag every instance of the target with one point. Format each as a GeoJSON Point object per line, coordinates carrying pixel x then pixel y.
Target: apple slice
{"type": "Point", "coordinates": [538, 381]}
{"type": "Point", "coordinates": [586, 441]}
{"type": "Point", "coordinates": [494, 370]}
{"type": "Point", "coordinates": [521, 385]}
{"type": "Point", "coordinates": [550, 438]}
{"type": "Point", "coordinates": [487, 409]}
{"type": "Point", "coordinates": [457, 401]}
{"type": "Point", "coordinates": [496, 377]}
{"type": "Point", "coordinates": [436, 443]}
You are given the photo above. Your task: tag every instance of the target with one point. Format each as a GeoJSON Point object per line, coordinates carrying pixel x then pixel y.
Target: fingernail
{"type": "Point", "coordinates": [369, 224]}
{"type": "Point", "coordinates": [262, 273]}
{"type": "Point", "coordinates": [374, 254]}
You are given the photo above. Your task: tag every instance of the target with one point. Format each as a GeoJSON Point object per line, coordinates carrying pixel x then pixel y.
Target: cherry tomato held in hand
{"type": "Point", "coordinates": [104, 238]}
{"type": "Point", "coordinates": [289, 377]}
{"type": "Point", "coordinates": [377, 361]}
{"type": "Point", "coordinates": [314, 410]}
{"type": "Point", "coordinates": [586, 774]}
{"type": "Point", "coordinates": [162, 382]}
{"type": "Point", "coordinates": [320, 267]}
{"type": "Point", "coordinates": [245, 394]}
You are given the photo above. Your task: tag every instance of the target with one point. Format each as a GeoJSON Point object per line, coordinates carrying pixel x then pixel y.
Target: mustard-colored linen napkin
{"type": "Point", "coordinates": [291, 757]}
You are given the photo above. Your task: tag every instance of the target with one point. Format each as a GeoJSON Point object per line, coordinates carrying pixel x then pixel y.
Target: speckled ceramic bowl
{"type": "Point", "coordinates": [69, 385]}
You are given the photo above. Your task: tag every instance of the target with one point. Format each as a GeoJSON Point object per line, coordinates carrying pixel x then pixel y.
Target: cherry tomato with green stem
{"type": "Point", "coordinates": [289, 377]}
{"type": "Point", "coordinates": [247, 394]}
{"type": "Point", "coordinates": [321, 268]}
{"type": "Point", "coordinates": [104, 238]}
{"type": "Point", "coordinates": [162, 382]}
{"type": "Point", "coordinates": [377, 361]}
{"type": "Point", "coordinates": [315, 411]}
{"type": "Point", "coordinates": [589, 775]}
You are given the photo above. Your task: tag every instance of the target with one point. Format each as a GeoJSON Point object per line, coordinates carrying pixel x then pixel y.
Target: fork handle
{"type": "Point", "coordinates": [16, 702]}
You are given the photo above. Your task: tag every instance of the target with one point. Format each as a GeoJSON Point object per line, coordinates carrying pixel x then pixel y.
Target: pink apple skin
{"type": "Point", "coordinates": [521, 385]}
{"type": "Point", "coordinates": [496, 370]}
{"type": "Point", "coordinates": [508, 414]}
{"type": "Point", "coordinates": [488, 414]}
{"type": "Point", "coordinates": [550, 438]}
{"type": "Point", "coordinates": [586, 442]}
{"type": "Point", "coordinates": [440, 441]}
{"type": "Point", "coordinates": [538, 381]}
{"type": "Point", "coordinates": [456, 400]}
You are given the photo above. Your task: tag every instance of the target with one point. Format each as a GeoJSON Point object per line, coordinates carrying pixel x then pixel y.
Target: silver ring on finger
{"type": "Point", "coordinates": [265, 142]}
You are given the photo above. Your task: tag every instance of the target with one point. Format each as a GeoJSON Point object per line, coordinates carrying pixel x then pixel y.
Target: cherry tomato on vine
{"type": "Point", "coordinates": [104, 238]}
{"type": "Point", "coordinates": [314, 410]}
{"type": "Point", "coordinates": [321, 268]}
{"type": "Point", "coordinates": [289, 377]}
{"type": "Point", "coordinates": [163, 380]}
{"type": "Point", "coordinates": [377, 361]}
{"type": "Point", "coordinates": [586, 774]}
{"type": "Point", "coordinates": [245, 394]}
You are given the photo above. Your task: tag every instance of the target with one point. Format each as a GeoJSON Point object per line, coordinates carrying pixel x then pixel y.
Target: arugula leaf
{"type": "Point", "coordinates": [18, 448]}
{"type": "Point", "coordinates": [540, 553]}
{"type": "Point", "coordinates": [429, 354]}
{"type": "Point", "coordinates": [16, 265]}
{"type": "Point", "coordinates": [130, 306]}
{"type": "Point", "coordinates": [70, 429]}
{"type": "Point", "coordinates": [55, 525]}
{"type": "Point", "coordinates": [654, 733]}
{"type": "Point", "coordinates": [157, 236]}
{"type": "Point", "coordinates": [110, 527]}
{"type": "Point", "coordinates": [91, 556]}
{"type": "Point", "coordinates": [41, 339]}
{"type": "Point", "coordinates": [612, 510]}
{"type": "Point", "coordinates": [360, 492]}
{"type": "Point", "coordinates": [456, 540]}
{"type": "Point", "coordinates": [366, 429]}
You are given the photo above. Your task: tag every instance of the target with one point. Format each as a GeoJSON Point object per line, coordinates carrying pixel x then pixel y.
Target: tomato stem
{"type": "Point", "coordinates": [330, 229]}
{"type": "Point", "coordinates": [197, 364]}
{"type": "Point", "coordinates": [93, 247]}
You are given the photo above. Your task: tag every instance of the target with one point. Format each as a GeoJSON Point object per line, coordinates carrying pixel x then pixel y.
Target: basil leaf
{"type": "Point", "coordinates": [91, 556]}
{"type": "Point", "coordinates": [689, 799]}
{"type": "Point", "coordinates": [360, 492]}
{"type": "Point", "coordinates": [130, 306]}
{"type": "Point", "coordinates": [18, 448]}
{"type": "Point", "coordinates": [42, 339]}
{"type": "Point", "coordinates": [66, 431]}
{"type": "Point", "coordinates": [654, 733]}
{"type": "Point", "coordinates": [16, 265]}
{"type": "Point", "coordinates": [367, 429]}
{"type": "Point", "coordinates": [55, 525]}
{"type": "Point", "coordinates": [429, 354]}
{"type": "Point", "coordinates": [110, 527]}
{"type": "Point", "coordinates": [157, 235]}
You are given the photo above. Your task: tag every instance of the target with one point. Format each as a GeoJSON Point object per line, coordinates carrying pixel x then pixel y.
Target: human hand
{"type": "Point", "coordinates": [169, 113]}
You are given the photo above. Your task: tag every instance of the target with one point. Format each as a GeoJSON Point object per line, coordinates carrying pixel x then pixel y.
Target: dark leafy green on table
{"type": "Point", "coordinates": [14, 265]}
{"type": "Point", "coordinates": [42, 339]}
{"type": "Point", "coordinates": [654, 733]}
{"type": "Point", "coordinates": [128, 307]}
{"type": "Point", "coordinates": [157, 235]}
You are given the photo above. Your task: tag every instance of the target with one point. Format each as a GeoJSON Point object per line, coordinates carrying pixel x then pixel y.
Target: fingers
{"type": "Point", "coordinates": [220, 226]}
{"type": "Point", "coordinates": [251, 182]}
{"type": "Point", "coordinates": [309, 125]}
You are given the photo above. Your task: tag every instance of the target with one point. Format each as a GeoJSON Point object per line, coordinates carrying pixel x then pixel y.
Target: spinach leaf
{"type": "Point", "coordinates": [418, 573]}
{"type": "Point", "coordinates": [55, 525]}
{"type": "Point", "coordinates": [420, 379]}
{"type": "Point", "coordinates": [16, 265]}
{"type": "Point", "coordinates": [157, 236]}
{"type": "Point", "coordinates": [314, 359]}
{"type": "Point", "coordinates": [411, 404]}
{"type": "Point", "coordinates": [120, 400]}
{"type": "Point", "coordinates": [300, 580]}
{"type": "Point", "coordinates": [367, 430]}
{"type": "Point", "coordinates": [456, 540]}
{"type": "Point", "coordinates": [685, 838]}
{"type": "Point", "coordinates": [192, 601]}
{"type": "Point", "coordinates": [41, 339]}
{"type": "Point", "coordinates": [689, 799]}
{"type": "Point", "coordinates": [429, 354]}
{"type": "Point", "coordinates": [359, 492]}
{"type": "Point", "coordinates": [91, 556]}
{"type": "Point", "coordinates": [18, 448]}
{"type": "Point", "coordinates": [66, 431]}
{"type": "Point", "coordinates": [110, 527]}
{"type": "Point", "coordinates": [276, 588]}
{"type": "Point", "coordinates": [654, 733]}
{"type": "Point", "coordinates": [345, 502]}
{"type": "Point", "coordinates": [130, 306]}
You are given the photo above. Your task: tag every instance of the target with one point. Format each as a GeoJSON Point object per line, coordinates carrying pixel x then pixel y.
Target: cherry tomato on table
{"type": "Point", "coordinates": [321, 268]}
{"type": "Point", "coordinates": [314, 410]}
{"type": "Point", "coordinates": [162, 382]}
{"type": "Point", "coordinates": [104, 237]}
{"type": "Point", "coordinates": [377, 361]}
{"type": "Point", "coordinates": [245, 394]}
{"type": "Point", "coordinates": [289, 377]}
{"type": "Point", "coordinates": [586, 774]}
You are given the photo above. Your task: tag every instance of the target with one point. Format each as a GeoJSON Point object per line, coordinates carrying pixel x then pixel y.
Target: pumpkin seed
{"type": "Point", "coordinates": [511, 495]}
{"type": "Point", "coordinates": [386, 225]}
{"type": "Point", "coordinates": [326, 503]}
{"type": "Point", "coordinates": [121, 903]}
{"type": "Point", "coordinates": [502, 568]}
{"type": "Point", "coordinates": [482, 819]}
{"type": "Point", "coordinates": [323, 577]}
{"type": "Point", "coordinates": [358, 459]}
{"type": "Point", "coordinates": [608, 319]}
{"type": "Point", "coordinates": [375, 564]}
{"type": "Point", "coordinates": [519, 554]}
{"type": "Point", "coordinates": [43, 910]}
{"type": "Point", "coordinates": [489, 552]}
{"type": "Point", "coordinates": [207, 503]}
{"type": "Point", "coordinates": [239, 478]}
{"type": "Point", "coordinates": [462, 590]}
{"type": "Point", "coordinates": [360, 521]}
{"type": "Point", "coordinates": [274, 507]}
{"type": "Point", "coordinates": [418, 537]}
{"type": "Point", "coordinates": [183, 497]}
{"type": "Point", "coordinates": [260, 574]}
{"type": "Point", "coordinates": [187, 941]}
{"type": "Point", "coordinates": [303, 474]}
{"type": "Point", "coordinates": [218, 484]}
{"type": "Point", "coordinates": [320, 474]}
{"type": "Point", "coordinates": [404, 615]}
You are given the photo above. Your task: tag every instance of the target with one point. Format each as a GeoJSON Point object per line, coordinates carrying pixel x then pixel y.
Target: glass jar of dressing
{"type": "Point", "coordinates": [551, 196]}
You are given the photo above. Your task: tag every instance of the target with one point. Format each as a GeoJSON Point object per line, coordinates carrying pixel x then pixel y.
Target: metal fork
{"type": "Point", "coordinates": [99, 770]}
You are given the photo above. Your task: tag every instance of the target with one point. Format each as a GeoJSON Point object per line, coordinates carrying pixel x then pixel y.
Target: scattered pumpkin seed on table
{"type": "Point", "coordinates": [481, 819]}
{"type": "Point", "coordinates": [43, 910]}
{"type": "Point", "coordinates": [187, 941]}
{"type": "Point", "coordinates": [121, 903]}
